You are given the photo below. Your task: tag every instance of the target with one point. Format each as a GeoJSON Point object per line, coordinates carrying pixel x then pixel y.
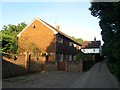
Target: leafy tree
{"type": "Point", "coordinates": [108, 14]}
{"type": "Point", "coordinates": [79, 40]}
{"type": "Point", "coordinates": [80, 56]}
{"type": "Point", "coordinates": [9, 37]}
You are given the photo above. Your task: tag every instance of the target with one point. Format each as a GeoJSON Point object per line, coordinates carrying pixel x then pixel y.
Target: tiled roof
{"type": "Point", "coordinates": [91, 44]}
{"type": "Point", "coordinates": [61, 33]}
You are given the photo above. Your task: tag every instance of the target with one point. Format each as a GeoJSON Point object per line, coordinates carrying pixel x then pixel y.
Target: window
{"type": "Point", "coordinates": [66, 57]}
{"type": "Point", "coordinates": [59, 39]}
{"type": "Point", "coordinates": [74, 58]}
{"type": "Point", "coordinates": [74, 45]}
{"type": "Point", "coordinates": [70, 57]}
{"type": "Point", "coordinates": [60, 57]}
{"type": "Point", "coordinates": [70, 43]}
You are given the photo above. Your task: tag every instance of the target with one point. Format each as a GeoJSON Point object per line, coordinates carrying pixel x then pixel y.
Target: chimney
{"type": "Point", "coordinates": [58, 27]}
{"type": "Point", "coordinates": [94, 39]}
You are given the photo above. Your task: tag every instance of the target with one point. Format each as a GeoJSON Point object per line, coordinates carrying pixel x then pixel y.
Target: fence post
{"type": "Point", "coordinates": [66, 65]}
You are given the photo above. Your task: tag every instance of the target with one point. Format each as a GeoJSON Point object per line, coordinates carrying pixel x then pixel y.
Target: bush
{"type": "Point", "coordinates": [87, 65]}
{"type": "Point", "coordinates": [114, 68]}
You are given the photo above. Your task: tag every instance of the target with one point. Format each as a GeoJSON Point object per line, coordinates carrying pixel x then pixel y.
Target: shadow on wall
{"type": "Point", "coordinates": [51, 50]}
{"type": "Point", "coordinates": [10, 70]}
{"type": "Point", "coordinates": [20, 66]}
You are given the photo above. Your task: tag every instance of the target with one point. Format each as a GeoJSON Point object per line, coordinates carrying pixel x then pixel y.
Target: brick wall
{"type": "Point", "coordinates": [24, 64]}
{"type": "Point", "coordinates": [11, 67]}
{"type": "Point", "coordinates": [51, 66]}
{"type": "Point", "coordinates": [41, 36]}
{"type": "Point", "coordinates": [75, 66]}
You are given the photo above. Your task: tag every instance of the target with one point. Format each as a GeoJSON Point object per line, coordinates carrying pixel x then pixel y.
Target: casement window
{"type": "Point", "coordinates": [60, 57]}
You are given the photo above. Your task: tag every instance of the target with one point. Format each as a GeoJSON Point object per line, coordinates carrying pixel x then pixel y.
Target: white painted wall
{"type": "Point", "coordinates": [91, 50]}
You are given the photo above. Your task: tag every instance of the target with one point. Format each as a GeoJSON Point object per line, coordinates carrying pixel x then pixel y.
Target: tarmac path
{"type": "Point", "coordinates": [97, 77]}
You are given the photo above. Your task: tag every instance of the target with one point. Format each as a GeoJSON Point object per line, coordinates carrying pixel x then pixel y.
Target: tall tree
{"type": "Point", "coordinates": [108, 14]}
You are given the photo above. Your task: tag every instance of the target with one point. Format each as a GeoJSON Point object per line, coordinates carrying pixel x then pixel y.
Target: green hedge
{"type": "Point", "coordinates": [114, 69]}
{"type": "Point", "coordinates": [87, 65]}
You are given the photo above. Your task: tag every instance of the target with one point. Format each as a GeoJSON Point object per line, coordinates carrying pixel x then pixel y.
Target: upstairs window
{"type": "Point", "coordinates": [59, 39]}
{"type": "Point", "coordinates": [70, 43]}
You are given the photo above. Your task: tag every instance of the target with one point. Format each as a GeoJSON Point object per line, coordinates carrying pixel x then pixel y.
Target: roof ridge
{"type": "Point", "coordinates": [50, 26]}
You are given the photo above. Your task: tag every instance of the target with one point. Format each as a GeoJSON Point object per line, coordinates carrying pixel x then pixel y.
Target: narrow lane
{"type": "Point", "coordinates": [97, 77]}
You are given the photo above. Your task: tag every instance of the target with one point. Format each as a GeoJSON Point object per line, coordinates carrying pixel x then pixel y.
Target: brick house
{"type": "Point", "coordinates": [50, 40]}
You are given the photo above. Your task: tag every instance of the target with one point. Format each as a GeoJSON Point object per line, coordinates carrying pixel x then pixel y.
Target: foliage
{"type": "Point", "coordinates": [108, 14]}
{"type": "Point", "coordinates": [9, 37]}
{"type": "Point", "coordinates": [79, 40]}
{"type": "Point", "coordinates": [34, 48]}
{"type": "Point", "coordinates": [87, 64]}
{"type": "Point", "coordinates": [114, 69]}
{"type": "Point", "coordinates": [80, 56]}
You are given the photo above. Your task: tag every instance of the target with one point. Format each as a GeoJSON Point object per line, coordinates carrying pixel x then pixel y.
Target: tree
{"type": "Point", "coordinates": [34, 48]}
{"type": "Point", "coordinates": [79, 40]}
{"type": "Point", "coordinates": [108, 14]}
{"type": "Point", "coordinates": [9, 37]}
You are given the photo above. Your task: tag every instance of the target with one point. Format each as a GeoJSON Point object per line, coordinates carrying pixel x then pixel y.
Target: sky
{"type": "Point", "coordinates": [74, 18]}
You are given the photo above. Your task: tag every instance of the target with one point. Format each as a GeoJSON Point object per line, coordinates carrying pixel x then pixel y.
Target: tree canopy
{"type": "Point", "coordinates": [9, 37]}
{"type": "Point", "coordinates": [79, 40]}
{"type": "Point", "coordinates": [108, 14]}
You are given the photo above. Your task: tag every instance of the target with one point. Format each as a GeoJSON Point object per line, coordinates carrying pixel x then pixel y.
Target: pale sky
{"type": "Point", "coordinates": [74, 18]}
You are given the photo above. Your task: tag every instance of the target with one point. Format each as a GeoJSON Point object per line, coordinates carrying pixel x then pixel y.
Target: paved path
{"type": "Point", "coordinates": [97, 77]}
